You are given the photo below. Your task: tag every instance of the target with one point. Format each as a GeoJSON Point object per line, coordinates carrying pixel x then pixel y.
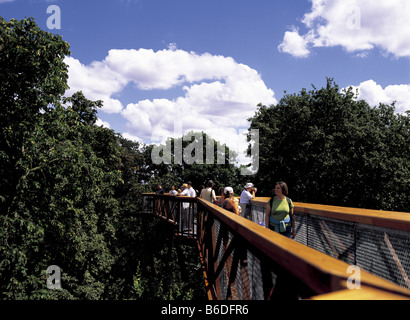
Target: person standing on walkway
{"type": "Point", "coordinates": [187, 207]}
{"type": "Point", "coordinates": [159, 190]}
{"type": "Point", "coordinates": [279, 212]}
{"type": "Point", "coordinates": [173, 192]}
{"type": "Point", "coordinates": [244, 202]}
{"type": "Point", "coordinates": [191, 190]}
{"type": "Point", "coordinates": [230, 203]}
{"type": "Point", "coordinates": [208, 193]}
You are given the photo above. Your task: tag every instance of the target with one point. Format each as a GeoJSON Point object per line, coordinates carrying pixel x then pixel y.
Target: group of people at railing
{"type": "Point", "coordinates": [279, 209]}
{"type": "Point", "coordinates": [185, 190]}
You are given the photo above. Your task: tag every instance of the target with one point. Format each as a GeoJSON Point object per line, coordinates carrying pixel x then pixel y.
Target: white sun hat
{"type": "Point", "coordinates": [228, 189]}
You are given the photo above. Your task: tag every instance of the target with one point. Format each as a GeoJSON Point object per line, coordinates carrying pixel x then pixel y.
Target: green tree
{"type": "Point", "coordinates": [58, 170]}
{"type": "Point", "coordinates": [71, 191]}
{"type": "Point", "coordinates": [187, 161]}
{"type": "Point", "coordinates": [33, 77]}
{"type": "Point", "coordinates": [63, 210]}
{"type": "Point", "coordinates": [334, 149]}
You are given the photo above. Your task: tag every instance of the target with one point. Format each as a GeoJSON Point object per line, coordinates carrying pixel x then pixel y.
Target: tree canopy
{"type": "Point", "coordinates": [332, 148]}
{"type": "Point", "coordinates": [71, 191]}
{"type": "Point", "coordinates": [196, 157]}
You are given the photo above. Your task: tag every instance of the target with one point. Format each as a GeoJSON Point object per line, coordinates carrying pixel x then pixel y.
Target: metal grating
{"type": "Point", "coordinates": [239, 272]}
{"type": "Point", "coordinates": [332, 237]}
{"type": "Point", "coordinates": [258, 214]}
{"type": "Point", "coordinates": [381, 251]}
{"type": "Point", "coordinates": [384, 252]}
{"type": "Point", "coordinates": [301, 225]}
{"type": "Point", "coordinates": [242, 272]}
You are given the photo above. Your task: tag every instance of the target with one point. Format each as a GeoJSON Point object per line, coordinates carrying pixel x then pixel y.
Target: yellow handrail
{"type": "Point", "coordinates": [388, 219]}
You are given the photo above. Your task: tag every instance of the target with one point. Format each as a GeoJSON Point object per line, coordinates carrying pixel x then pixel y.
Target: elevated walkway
{"type": "Point", "coordinates": [338, 253]}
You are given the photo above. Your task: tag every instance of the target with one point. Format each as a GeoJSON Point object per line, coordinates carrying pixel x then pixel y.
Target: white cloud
{"type": "Point", "coordinates": [100, 122]}
{"type": "Point", "coordinates": [356, 25]}
{"type": "Point", "coordinates": [96, 81]}
{"type": "Point", "coordinates": [128, 136]}
{"type": "Point", "coordinates": [219, 94]}
{"type": "Point", "coordinates": [165, 69]}
{"type": "Point", "coordinates": [295, 44]}
{"type": "Point", "coordinates": [374, 94]}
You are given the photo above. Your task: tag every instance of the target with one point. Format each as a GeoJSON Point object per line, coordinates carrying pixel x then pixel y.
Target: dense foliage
{"type": "Point", "coordinates": [70, 192]}
{"type": "Point", "coordinates": [196, 157]}
{"type": "Point", "coordinates": [332, 148]}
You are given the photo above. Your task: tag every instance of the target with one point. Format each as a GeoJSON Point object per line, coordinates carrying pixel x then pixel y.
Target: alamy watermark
{"type": "Point", "coordinates": [54, 21]}
{"type": "Point", "coordinates": [202, 152]}
{"type": "Point", "coordinates": [353, 281]}
{"type": "Point", "coordinates": [54, 280]}
{"type": "Point", "coordinates": [354, 15]}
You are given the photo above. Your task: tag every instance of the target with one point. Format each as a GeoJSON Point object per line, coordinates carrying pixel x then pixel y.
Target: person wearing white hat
{"type": "Point", "coordinates": [244, 202]}
{"type": "Point", "coordinates": [230, 203]}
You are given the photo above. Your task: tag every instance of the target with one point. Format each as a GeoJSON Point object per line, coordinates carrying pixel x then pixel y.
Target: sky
{"type": "Point", "coordinates": [165, 67]}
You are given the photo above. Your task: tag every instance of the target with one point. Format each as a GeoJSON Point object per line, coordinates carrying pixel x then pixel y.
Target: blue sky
{"type": "Point", "coordinates": [159, 65]}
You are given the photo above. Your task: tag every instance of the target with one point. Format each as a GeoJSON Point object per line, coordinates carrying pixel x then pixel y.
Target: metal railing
{"type": "Point", "coordinates": [376, 241]}
{"type": "Point", "coordinates": [243, 260]}
{"type": "Point", "coordinates": [180, 211]}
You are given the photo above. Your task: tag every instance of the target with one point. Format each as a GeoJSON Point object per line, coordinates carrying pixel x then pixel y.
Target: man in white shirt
{"type": "Point", "coordinates": [244, 202]}
{"type": "Point", "coordinates": [191, 191]}
{"type": "Point", "coordinates": [187, 211]}
{"type": "Point", "coordinates": [184, 191]}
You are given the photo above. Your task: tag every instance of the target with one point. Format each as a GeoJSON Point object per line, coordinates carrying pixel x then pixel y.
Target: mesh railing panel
{"type": "Point", "coordinates": [301, 225]}
{"type": "Point", "coordinates": [255, 280]}
{"type": "Point", "coordinates": [239, 271]}
{"type": "Point", "coordinates": [332, 237]}
{"type": "Point", "coordinates": [381, 251]}
{"type": "Point", "coordinates": [258, 214]}
{"type": "Point", "coordinates": [384, 252]}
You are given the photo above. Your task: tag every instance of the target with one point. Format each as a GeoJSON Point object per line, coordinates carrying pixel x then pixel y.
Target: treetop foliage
{"type": "Point", "coordinates": [334, 149]}
{"type": "Point", "coordinates": [71, 191]}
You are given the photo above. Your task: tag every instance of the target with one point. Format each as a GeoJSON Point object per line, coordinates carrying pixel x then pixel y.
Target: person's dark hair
{"type": "Point", "coordinates": [284, 187]}
{"type": "Point", "coordinates": [210, 183]}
